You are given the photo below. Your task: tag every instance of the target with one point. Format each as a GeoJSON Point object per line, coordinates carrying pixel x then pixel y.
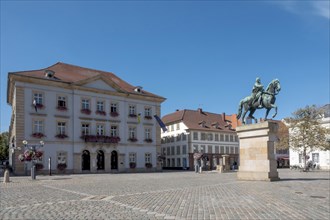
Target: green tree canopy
{"type": "Point", "coordinates": [306, 132]}
{"type": "Point", "coordinates": [4, 146]}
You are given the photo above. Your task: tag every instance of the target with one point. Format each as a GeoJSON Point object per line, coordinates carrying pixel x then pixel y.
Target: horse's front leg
{"type": "Point", "coordinates": [275, 107]}
{"type": "Point", "coordinates": [267, 112]}
{"type": "Point", "coordinates": [243, 117]}
{"type": "Point", "coordinates": [252, 117]}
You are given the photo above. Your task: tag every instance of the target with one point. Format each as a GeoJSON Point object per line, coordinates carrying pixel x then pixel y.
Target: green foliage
{"type": "Point", "coordinates": [307, 134]}
{"type": "Point", "coordinates": [4, 146]}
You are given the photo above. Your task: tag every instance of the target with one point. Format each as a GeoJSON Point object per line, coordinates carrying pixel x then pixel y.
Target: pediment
{"type": "Point", "coordinates": [99, 84]}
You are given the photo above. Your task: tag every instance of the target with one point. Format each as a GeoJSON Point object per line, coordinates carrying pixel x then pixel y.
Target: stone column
{"type": "Point", "coordinates": [257, 153]}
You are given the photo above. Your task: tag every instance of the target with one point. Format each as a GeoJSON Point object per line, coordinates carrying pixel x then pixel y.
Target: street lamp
{"type": "Point", "coordinates": [32, 154]}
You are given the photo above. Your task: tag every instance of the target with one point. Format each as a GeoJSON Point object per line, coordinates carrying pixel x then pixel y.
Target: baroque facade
{"type": "Point", "coordinates": [196, 131]}
{"type": "Point", "coordinates": [90, 120]}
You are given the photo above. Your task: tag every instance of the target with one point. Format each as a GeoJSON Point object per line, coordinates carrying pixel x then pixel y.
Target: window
{"type": "Point", "coordinates": [216, 137]}
{"type": "Point", "coordinates": [231, 138]}
{"type": "Point", "coordinates": [195, 135]}
{"type": "Point", "coordinates": [203, 136]}
{"type": "Point", "coordinates": [132, 110]}
{"type": "Point", "coordinates": [85, 104]}
{"type": "Point", "coordinates": [184, 137]}
{"type": "Point", "coordinates": [61, 128]}
{"type": "Point", "coordinates": [209, 149]}
{"type": "Point", "coordinates": [61, 102]}
{"type": "Point", "coordinates": [232, 150]}
{"type": "Point", "coordinates": [173, 162]}
{"type": "Point", "coordinates": [315, 157]}
{"type": "Point", "coordinates": [221, 137]}
{"type": "Point", "coordinates": [172, 150]}
{"type": "Point", "coordinates": [178, 126]}
{"type": "Point", "coordinates": [61, 157]}
{"type": "Point", "coordinates": [147, 113]}
{"type": "Point", "coordinates": [100, 130]}
{"type": "Point", "coordinates": [148, 157]}
{"type": "Point", "coordinates": [38, 126]}
{"type": "Point", "coordinates": [184, 149]}
{"type": "Point", "coordinates": [236, 138]}
{"type": "Point", "coordinates": [38, 97]}
{"type": "Point", "coordinates": [85, 129]}
{"type": "Point", "coordinates": [195, 148]}
{"type": "Point", "coordinates": [227, 150]}
{"type": "Point", "coordinates": [168, 151]}
{"type": "Point", "coordinates": [202, 149]}
{"type": "Point", "coordinates": [100, 106]}
{"type": "Point", "coordinates": [184, 162]}
{"type": "Point", "coordinates": [222, 150]}
{"type": "Point", "coordinates": [147, 134]}
{"type": "Point", "coordinates": [113, 131]}
{"type": "Point", "coordinates": [132, 157]}
{"type": "Point", "coordinates": [172, 127]}
{"type": "Point", "coordinates": [216, 149]}
{"type": "Point", "coordinates": [132, 132]}
{"type": "Point", "coordinates": [114, 109]}
{"type": "Point", "coordinates": [178, 150]}
{"type": "Point", "coordinates": [227, 137]}
{"type": "Point", "coordinates": [178, 162]}
{"type": "Point", "coordinates": [236, 150]}
{"type": "Point", "coordinates": [210, 137]}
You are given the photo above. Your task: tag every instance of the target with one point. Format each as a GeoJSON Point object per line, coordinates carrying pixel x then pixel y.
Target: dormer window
{"type": "Point", "coordinates": [215, 125]}
{"type": "Point", "coordinates": [138, 89]}
{"type": "Point", "coordinates": [49, 73]}
{"type": "Point", "coordinates": [202, 124]}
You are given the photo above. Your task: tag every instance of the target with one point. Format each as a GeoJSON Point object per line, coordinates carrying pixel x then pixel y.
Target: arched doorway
{"type": "Point", "coordinates": [114, 160]}
{"type": "Point", "coordinates": [100, 160]}
{"type": "Point", "coordinates": [85, 160]}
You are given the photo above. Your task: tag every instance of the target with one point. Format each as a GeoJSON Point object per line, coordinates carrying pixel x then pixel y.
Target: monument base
{"type": "Point", "coordinates": [260, 176]}
{"type": "Point", "coordinates": [257, 153]}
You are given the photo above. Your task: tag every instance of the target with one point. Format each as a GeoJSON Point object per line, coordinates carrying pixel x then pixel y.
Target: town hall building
{"type": "Point", "coordinates": [89, 121]}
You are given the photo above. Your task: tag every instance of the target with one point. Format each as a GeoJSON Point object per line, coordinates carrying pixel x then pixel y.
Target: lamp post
{"type": "Point", "coordinates": [32, 154]}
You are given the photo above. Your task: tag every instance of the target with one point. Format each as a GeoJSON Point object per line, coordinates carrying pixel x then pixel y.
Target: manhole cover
{"type": "Point", "coordinates": [318, 197]}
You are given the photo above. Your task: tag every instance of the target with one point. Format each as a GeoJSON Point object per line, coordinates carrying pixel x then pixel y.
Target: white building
{"type": "Point", "coordinates": [191, 131]}
{"type": "Point", "coordinates": [321, 158]}
{"type": "Point", "coordinates": [90, 120]}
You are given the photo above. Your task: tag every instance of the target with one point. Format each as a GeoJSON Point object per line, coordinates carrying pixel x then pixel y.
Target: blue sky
{"type": "Point", "coordinates": [197, 54]}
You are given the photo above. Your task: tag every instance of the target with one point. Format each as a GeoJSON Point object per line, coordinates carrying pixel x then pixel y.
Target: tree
{"type": "Point", "coordinates": [306, 132]}
{"type": "Point", "coordinates": [282, 134]}
{"type": "Point", "coordinates": [4, 146]}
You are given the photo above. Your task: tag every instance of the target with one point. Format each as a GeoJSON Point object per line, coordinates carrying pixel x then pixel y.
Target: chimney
{"type": "Point", "coordinates": [223, 116]}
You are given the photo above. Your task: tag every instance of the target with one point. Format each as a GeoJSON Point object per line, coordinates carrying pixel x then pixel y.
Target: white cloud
{"type": "Point", "coordinates": [322, 8]}
{"type": "Point", "coordinates": [309, 7]}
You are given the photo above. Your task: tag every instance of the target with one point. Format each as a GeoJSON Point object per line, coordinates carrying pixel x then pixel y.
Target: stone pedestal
{"type": "Point", "coordinates": [257, 153]}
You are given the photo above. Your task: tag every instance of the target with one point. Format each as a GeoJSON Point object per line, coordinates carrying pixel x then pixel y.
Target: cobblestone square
{"type": "Point", "coordinates": [167, 195]}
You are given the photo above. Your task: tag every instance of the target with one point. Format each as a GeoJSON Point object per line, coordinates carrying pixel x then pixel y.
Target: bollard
{"type": "Point", "coordinates": [6, 176]}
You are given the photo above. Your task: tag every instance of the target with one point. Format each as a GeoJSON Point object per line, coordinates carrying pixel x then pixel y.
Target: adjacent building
{"type": "Point", "coordinates": [90, 120]}
{"type": "Point", "coordinates": [197, 131]}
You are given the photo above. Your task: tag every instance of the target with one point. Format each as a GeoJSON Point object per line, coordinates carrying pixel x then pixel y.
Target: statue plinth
{"type": "Point", "coordinates": [257, 153]}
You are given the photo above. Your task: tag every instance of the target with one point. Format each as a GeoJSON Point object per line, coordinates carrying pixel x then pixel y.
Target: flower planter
{"type": "Point", "coordinates": [148, 165]}
{"type": "Point", "coordinates": [61, 166]}
{"type": "Point", "coordinates": [100, 112]}
{"type": "Point", "coordinates": [85, 111]}
{"type": "Point", "coordinates": [61, 108]}
{"type": "Point", "coordinates": [132, 139]}
{"type": "Point", "coordinates": [38, 135]}
{"type": "Point", "coordinates": [61, 136]}
{"type": "Point", "coordinates": [114, 114]}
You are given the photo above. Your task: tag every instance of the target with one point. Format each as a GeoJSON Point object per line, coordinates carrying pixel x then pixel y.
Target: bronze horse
{"type": "Point", "coordinates": [267, 102]}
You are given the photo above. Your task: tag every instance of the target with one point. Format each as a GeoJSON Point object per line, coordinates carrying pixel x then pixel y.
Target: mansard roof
{"type": "Point", "coordinates": [76, 75]}
{"type": "Point", "coordinates": [193, 118]}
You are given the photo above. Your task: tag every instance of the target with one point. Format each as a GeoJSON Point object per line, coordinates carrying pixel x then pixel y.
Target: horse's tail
{"type": "Point", "coordinates": [240, 109]}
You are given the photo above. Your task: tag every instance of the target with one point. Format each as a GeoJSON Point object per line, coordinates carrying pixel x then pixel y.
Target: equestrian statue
{"type": "Point", "coordinates": [259, 99]}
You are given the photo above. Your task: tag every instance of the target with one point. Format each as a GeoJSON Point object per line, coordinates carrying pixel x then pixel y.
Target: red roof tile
{"type": "Point", "coordinates": [72, 74]}
{"type": "Point", "coordinates": [193, 118]}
